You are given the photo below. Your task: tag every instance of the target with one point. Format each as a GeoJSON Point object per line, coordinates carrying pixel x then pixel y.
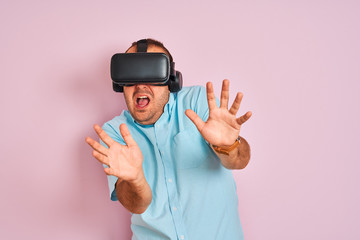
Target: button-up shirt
{"type": "Point", "coordinates": [193, 195]}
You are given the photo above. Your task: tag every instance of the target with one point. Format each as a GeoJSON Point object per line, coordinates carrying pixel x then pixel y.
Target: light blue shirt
{"type": "Point", "coordinates": [194, 196]}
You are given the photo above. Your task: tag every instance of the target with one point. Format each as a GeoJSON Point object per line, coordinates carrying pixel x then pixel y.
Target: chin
{"type": "Point", "coordinates": [142, 120]}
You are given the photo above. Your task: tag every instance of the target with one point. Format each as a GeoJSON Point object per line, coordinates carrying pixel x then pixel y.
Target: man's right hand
{"type": "Point", "coordinates": [124, 161]}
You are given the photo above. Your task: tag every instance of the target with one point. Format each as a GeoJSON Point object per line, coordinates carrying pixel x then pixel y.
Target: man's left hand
{"type": "Point", "coordinates": [222, 127]}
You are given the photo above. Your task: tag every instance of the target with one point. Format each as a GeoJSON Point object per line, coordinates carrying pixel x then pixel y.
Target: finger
{"type": "Point", "coordinates": [236, 104]}
{"type": "Point", "coordinates": [125, 133]}
{"type": "Point", "coordinates": [199, 123]}
{"type": "Point", "coordinates": [100, 157]}
{"type": "Point", "coordinates": [109, 171]}
{"type": "Point", "coordinates": [244, 118]}
{"type": "Point", "coordinates": [224, 98]}
{"type": "Point", "coordinates": [96, 146]}
{"type": "Point", "coordinates": [103, 135]}
{"type": "Point", "coordinates": [210, 96]}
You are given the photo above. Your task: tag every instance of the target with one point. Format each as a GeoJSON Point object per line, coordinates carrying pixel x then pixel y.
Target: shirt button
{"type": "Point", "coordinates": [170, 180]}
{"type": "Point", "coordinates": [182, 237]}
{"type": "Point", "coordinates": [174, 208]}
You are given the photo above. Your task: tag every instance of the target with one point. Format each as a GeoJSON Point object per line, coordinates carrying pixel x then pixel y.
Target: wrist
{"type": "Point", "coordinates": [135, 181]}
{"type": "Point", "coordinates": [226, 149]}
{"type": "Point", "coordinates": [139, 180]}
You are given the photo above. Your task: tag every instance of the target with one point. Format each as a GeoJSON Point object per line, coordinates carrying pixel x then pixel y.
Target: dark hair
{"type": "Point", "coordinates": [156, 43]}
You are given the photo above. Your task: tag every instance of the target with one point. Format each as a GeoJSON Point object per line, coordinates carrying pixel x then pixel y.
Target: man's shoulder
{"type": "Point", "coordinates": [114, 123]}
{"type": "Point", "coordinates": [192, 90]}
{"type": "Point", "coordinates": [191, 93]}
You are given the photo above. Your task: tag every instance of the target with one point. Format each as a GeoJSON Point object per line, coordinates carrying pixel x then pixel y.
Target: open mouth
{"type": "Point", "coordinates": [142, 101]}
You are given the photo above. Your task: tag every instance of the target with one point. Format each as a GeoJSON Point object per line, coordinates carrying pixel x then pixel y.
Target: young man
{"type": "Point", "coordinates": [168, 158]}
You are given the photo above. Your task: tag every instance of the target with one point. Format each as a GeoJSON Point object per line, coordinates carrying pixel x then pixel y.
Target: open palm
{"type": "Point", "coordinates": [222, 127]}
{"type": "Point", "coordinates": [124, 161]}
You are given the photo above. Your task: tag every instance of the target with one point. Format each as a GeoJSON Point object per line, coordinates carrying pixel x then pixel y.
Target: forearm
{"type": "Point", "coordinates": [135, 196]}
{"type": "Point", "coordinates": [238, 158]}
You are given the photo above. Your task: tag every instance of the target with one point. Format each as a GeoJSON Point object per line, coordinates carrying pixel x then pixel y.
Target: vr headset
{"type": "Point", "coordinates": [128, 69]}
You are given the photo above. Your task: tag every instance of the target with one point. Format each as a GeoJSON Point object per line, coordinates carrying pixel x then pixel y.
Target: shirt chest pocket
{"type": "Point", "coordinates": [190, 150]}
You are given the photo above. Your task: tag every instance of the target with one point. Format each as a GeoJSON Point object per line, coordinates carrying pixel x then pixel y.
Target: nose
{"type": "Point", "coordinates": [141, 86]}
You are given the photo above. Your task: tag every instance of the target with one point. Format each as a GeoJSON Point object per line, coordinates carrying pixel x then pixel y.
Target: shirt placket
{"type": "Point", "coordinates": [171, 186]}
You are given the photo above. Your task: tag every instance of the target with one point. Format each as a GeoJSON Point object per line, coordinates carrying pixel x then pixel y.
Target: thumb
{"type": "Point", "coordinates": [125, 133]}
{"type": "Point", "coordinates": [199, 123]}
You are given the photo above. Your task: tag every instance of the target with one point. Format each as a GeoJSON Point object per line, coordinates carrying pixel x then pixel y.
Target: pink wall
{"type": "Point", "coordinates": [296, 61]}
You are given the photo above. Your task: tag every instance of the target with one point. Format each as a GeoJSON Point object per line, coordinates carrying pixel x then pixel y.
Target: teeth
{"type": "Point", "coordinates": [143, 97]}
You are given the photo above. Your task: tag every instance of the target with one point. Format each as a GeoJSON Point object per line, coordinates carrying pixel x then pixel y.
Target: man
{"type": "Point", "coordinates": [168, 158]}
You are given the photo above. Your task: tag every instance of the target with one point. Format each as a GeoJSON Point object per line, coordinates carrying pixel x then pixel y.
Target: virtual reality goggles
{"type": "Point", "coordinates": [128, 69]}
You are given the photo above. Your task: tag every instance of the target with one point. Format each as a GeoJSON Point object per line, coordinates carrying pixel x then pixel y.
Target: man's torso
{"type": "Point", "coordinates": [194, 196]}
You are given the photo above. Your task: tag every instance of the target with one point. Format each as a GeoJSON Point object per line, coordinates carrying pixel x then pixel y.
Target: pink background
{"type": "Point", "coordinates": [297, 63]}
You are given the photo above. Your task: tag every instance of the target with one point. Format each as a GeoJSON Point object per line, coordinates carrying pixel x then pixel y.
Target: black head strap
{"type": "Point", "coordinates": [142, 45]}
